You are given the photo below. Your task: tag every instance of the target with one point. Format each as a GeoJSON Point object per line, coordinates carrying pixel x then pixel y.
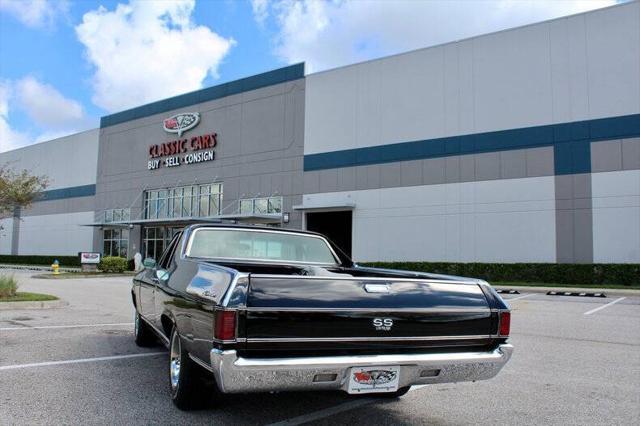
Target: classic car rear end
{"type": "Point", "coordinates": [288, 311]}
{"type": "Point", "coordinates": [298, 333]}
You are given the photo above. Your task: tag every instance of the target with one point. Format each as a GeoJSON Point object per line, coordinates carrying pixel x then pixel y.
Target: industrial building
{"type": "Point", "coordinates": [516, 146]}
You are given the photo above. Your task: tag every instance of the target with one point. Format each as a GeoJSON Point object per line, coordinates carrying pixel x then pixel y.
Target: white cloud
{"type": "Point", "coordinates": [327, 34]}
{"type": "Point", "coordinates": [260, 10]}
{"type": "Point", "coordinates": [51, 114]}
{"type": "Point", "coordinates": [9, 138]}
{"type": "Point", "coordinates": [145, 51]}
{"type": "Point", "coordinates": [47, 107]}
{"type": "Point", "coordinates": [35, 13]}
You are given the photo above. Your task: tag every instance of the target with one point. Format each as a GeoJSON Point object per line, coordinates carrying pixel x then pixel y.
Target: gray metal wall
{"type": "Point", "coordinates": [259, 152]}
{"type": "Point", "coordinates": [516, 146]}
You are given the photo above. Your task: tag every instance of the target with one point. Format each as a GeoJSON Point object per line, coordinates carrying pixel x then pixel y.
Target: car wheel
{"type": "Point", "coordinates": [142, 332]}
{"type": "Point", "coordinates": [183, 375]}
{"type": "Point", "coordinates": [396, 394]}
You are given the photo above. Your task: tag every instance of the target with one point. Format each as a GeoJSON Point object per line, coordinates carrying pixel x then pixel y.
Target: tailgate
{"type": "Point", "coordinates": [316, 313]}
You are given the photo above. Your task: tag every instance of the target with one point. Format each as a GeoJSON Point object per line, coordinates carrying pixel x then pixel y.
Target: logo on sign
{"type": "Point", "coordinates": [88, 257]}
{"type": "Point", "coordinates": [180, 123]}
{"type": "Point", "coordinates": [374, 377]}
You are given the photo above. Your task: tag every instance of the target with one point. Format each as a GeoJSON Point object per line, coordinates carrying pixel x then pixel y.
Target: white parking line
{"type": "Point", "coordinates": [78, 361]}
{"type": "Point", "coordinates": [519, 297]}
{"type": "Point", "coordinates": [44, 327]}
{"type": "Point", "coordinates": [321, 414]}
{"type": "Point", "coordinates": [604, 306]}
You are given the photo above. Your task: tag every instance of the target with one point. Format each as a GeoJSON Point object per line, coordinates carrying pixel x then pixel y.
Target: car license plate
{"type": "Point", "coordinates": [373, 379]}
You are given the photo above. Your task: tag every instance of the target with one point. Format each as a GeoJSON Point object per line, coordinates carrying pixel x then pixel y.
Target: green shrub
{"type": "Point", "coordinates": [113, 264]}
{"type": "Point", "coordinates": [65, 261]}
{"type": "Point", "coordinates": [8, 286]}
{"type": "Point", "coordinates": [557, 273]}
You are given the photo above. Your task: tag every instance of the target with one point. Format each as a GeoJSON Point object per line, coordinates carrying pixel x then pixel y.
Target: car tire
{"type": "Point", "coordinates": [143, 334]}
{"type": "Point", "coordinates": [397, 394]}
{"type": "Point", "coordinates": [184, 381]}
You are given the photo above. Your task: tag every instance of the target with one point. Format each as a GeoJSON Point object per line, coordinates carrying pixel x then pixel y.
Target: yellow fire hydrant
{"type": "Point", "coordinates": [56, 267]}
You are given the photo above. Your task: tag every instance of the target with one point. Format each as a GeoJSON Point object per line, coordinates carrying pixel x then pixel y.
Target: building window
{"type": "Point", "coordinates": [184, 201]}
{"type": "Point", "coordinates": [115, 242]}
{"type": "Point", "coordinates": [265, 205]}
{"type": "Point", "coordinates": [155, 239]}
{"type": "Point", "coordinates": [117, 215]}
{"type": "Point", "coordinates": [209, 200]}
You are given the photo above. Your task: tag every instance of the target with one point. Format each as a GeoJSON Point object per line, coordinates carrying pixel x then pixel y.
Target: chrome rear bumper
{"type": "Point", "coordinates": [235, 374]}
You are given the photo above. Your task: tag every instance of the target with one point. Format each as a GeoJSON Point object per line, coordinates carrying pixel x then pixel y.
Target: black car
{"type": "Point", "coordinates": [267, 309]}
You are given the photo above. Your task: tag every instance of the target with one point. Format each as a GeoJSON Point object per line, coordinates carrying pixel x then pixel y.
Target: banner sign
{"type": "Point", "coordinates": [89, 258]}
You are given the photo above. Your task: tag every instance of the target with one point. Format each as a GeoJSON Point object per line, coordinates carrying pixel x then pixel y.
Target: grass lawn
{"type": "Point", "coordinates": [28, 297]}
{"type": "Point", "coordinates": [611, 286]}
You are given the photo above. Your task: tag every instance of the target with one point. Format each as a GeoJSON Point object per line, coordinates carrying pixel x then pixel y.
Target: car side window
{"type": "Point", "coordinates": [167, 257]}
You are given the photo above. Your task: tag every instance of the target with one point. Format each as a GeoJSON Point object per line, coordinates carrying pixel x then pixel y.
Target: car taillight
{"type": "Point", "coordinates": [225, 325]}
{"type": "Point", "coordinates": [505, 323]}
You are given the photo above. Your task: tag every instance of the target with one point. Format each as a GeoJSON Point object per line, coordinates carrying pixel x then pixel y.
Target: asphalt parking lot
{"type": "Point", "coordinates": [577, 361]}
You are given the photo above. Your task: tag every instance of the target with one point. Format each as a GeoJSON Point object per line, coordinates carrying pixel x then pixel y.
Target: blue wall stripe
{"type": "Point", "coordinates": [71, 192]}
{"type": "Point", "coordinates": [571, 143]}
{"type": "Point", "coordinates": [281, 75]}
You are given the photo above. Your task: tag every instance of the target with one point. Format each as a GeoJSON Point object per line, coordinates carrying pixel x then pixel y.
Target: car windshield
{"type": "Point", "coordinates": [260, 245]}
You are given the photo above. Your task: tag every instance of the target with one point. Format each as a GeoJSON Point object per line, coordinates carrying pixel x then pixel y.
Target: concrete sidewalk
{"type": "Point", "coordinates": [521, 289]}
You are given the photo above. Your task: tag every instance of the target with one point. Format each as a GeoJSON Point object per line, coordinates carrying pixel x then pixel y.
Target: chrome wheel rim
{"type": "Point", "coordinates": [175, 361]}
{"type": "Point", "coordinates": [136, 327]}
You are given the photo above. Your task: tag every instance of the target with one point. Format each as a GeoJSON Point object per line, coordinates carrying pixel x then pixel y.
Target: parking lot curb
{"type": "Point", "coordinates": [78, 276]}
{"type": "Point", "coordinates": [545, 290]}
{"type": "Point", "coordinates": [576, 294]}
{"type": "Point", "coordinates": [44, 304]}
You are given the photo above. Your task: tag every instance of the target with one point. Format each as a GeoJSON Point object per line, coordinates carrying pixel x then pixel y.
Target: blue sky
{"type": "Point", "coordinates": [53, 53]}
{"type": "Point", "coordinates": [63, 64]}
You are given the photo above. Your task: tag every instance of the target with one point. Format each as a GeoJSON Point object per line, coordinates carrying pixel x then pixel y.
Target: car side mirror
{"type": "Point", "coordinates": [149, 263]}
{"type": "Point", "coordinates": [162, 275]}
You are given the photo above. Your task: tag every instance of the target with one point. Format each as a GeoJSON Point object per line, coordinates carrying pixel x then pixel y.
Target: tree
{"type": "Point", "coordinates": [18, 189]}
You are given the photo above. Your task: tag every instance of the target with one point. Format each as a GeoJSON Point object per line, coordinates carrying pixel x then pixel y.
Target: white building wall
{"type": "Point", "coordinates": [56, 234]}
{"type": "Point", "coordinates": [570, 69]}
{"type": "Point", "coordinates": [489, 221]}
{"type": "Point", "coordinates": [581, 67]}
{"type": "Point", "coordinates": [67, 162]}
{"type": "Point", "coordinates": [6, 234]}
{"type": "Point", "coordinates": [616, 216]}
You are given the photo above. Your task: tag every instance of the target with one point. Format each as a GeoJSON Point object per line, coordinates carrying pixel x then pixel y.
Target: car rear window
{"type": "Point", "coordinates": [260, 245]}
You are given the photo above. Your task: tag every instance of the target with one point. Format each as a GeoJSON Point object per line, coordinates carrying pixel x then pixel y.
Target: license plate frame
{"type": "Point", "coordinates": [373, 379]}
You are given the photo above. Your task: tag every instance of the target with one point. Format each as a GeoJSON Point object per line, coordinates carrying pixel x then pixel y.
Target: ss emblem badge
{"type": "Point", "coordinates": [383, 324]}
